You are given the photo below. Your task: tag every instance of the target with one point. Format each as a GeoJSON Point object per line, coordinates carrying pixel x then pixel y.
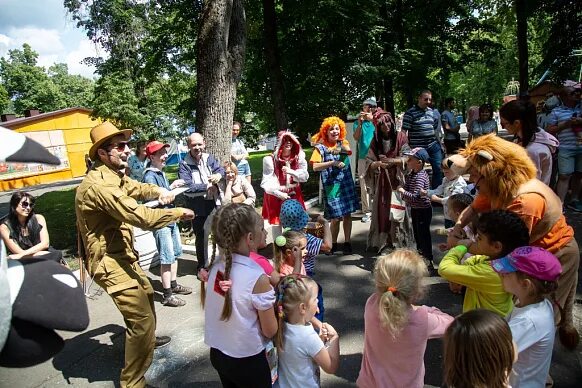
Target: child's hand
{"type": "Point", "coordinates": [321, 219]}
{"type": "Point", "coordinates": [297, 256]}
{"type": "Point", "coordinates": [327, 332]}
{"type": "Point", "coordinates": [423, 193]}
{"type": "Point", "coordinates": [400, 189]}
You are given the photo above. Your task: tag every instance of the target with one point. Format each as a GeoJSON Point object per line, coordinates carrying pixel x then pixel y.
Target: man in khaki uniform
{"type": "Point", "coordinates": [106, 207]}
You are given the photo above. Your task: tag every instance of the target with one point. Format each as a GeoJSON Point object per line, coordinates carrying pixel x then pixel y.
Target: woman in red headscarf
{"type": "Point", "coordinates": [283, 172]}
{"type": "Point", "coordinates": [385, 166]}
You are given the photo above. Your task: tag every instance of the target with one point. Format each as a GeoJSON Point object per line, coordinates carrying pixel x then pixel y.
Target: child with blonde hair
{"type": "Point", "coordinates": [301, 350]}
{"type": "Point", "coordinates": [479, 351]}
{"type": "Point", "coordinates": [239, 313]}
{"type": "Point", "coordinates": [531, 274]}
{"type": "Point", "coordinates": [396, 330]}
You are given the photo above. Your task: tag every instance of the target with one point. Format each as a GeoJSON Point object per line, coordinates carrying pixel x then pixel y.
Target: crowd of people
{"type": "Point", "coordinates": [509, 248]}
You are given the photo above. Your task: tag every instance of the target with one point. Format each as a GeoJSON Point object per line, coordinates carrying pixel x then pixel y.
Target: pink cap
{"type": "Point", "coordinates": [533, 261]}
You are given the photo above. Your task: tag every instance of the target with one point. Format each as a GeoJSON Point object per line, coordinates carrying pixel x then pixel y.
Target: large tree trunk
{"type": "Point", "coordinates": [521, 13]}
{"type": "Point", "coordinates": [221, 51]}
{"type": "Point", "coordinates": [274, 64]}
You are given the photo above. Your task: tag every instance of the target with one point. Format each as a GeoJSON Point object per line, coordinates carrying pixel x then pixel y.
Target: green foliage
{"type": "Point", "coordinates": [148, 79]}
{"type": "Point", "coordinates": [30, 86]}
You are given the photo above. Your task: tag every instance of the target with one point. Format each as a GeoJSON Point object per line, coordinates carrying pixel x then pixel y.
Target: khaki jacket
{"type": "Point", "coordinates": [106, 207]}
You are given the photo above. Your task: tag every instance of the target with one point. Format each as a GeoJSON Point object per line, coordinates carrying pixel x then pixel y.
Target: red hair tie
{"type": "Point", "coordinates": [392, 290]}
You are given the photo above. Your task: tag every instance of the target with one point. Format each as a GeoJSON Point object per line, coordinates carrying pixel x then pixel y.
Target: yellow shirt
{"type": "Point", "coordinates": [106, 207]}
{"type": "Point", "coordinates": [484, 288]}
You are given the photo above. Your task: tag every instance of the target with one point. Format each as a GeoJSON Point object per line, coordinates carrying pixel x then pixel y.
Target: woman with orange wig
{"type": "Point", "coordinates": [331, 158]}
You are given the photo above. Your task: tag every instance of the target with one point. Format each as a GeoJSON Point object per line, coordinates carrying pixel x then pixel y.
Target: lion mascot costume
{"type": "Point", "coordinates": [505, 177]}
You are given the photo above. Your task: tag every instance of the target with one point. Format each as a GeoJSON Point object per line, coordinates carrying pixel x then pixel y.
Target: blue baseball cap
{"type": "Point", "coordinates": [293, 215]}
{"type": "Point", "coordinates": [418, 153]}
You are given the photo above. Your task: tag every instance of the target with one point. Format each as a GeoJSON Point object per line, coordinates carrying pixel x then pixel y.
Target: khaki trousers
{"type": "Point", "coordinates": [569, 257]}
{"type": "Point", "coordinates": [128, 286]}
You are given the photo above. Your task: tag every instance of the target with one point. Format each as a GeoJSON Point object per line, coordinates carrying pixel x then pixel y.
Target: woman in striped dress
{"type": "Point", "coordinates": [331, 158]}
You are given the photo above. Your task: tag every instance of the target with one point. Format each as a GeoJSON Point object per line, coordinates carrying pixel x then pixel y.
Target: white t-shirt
{"type": "Point", "coordinates": [533, 331]}
{"type": "Point", "coordinates": [296, 365]}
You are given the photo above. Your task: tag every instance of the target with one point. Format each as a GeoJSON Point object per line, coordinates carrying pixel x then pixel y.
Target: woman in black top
{"type": "Point", "coordinates": [24, 232]}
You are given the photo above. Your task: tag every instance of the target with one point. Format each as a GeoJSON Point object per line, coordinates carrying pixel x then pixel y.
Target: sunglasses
{"type": "Point", "coordinates": [119, 146]}
{"type": "Point", "coordinates": [26, 204]}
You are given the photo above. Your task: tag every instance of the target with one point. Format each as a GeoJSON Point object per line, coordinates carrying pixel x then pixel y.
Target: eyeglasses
{"type": "Point", "coordinates": [26, 205]}
{"type": "Point", "coordinates": [120, 146]}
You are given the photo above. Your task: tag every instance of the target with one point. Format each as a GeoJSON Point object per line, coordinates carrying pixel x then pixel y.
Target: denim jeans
{"type": "Point", "coordinates": [168, 243]}
{"type": "Point", "coordinates": [435, 154]}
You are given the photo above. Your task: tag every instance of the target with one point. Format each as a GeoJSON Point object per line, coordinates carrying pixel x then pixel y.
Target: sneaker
{"type": "Point", "coordinates": [366, 219]}
{"type": "Point", "coordinates": [182, 290]}
{"type": "Point", "coordinates": [347, 248]}
{"type": "Point", "coordinates": [162, 341]}
{"type": "Point", "coordinates": [385, 249]}
{"type": "Point", "coordinates": [173, 301]}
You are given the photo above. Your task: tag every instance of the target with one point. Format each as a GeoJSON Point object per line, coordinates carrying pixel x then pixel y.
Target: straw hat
{"type": "Point", "coordinates": [103, 132]}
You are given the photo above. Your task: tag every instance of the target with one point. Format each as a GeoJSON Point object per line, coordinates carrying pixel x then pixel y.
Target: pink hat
{"type": "Point", "coordinates": [155, 146]}
{"type": "Point", "coordinates": [533, 261]}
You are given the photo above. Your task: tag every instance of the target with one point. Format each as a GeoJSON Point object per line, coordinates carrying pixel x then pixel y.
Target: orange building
{"type": "Point", "coordinates": [65, 133]}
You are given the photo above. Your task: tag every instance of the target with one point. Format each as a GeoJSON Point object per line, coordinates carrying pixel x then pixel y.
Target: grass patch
{"type": "Point", "coordinates": [58, 207]}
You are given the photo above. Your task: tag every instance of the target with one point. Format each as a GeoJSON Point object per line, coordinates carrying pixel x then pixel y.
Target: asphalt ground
{"type": "Point", "coordinates": [95, 357]}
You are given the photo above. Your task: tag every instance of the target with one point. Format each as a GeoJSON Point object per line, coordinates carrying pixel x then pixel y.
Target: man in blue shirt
{"type": "Point", "coordinates": [363, 134]}
{"type": "Point", "coordinates": [421, 126]}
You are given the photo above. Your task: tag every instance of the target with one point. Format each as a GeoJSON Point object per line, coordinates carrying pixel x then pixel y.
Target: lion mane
{"type": "Point", "coordinates": [504, 165]}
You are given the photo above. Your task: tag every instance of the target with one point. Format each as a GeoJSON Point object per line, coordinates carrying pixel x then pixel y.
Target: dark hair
{"type": "Point", "coordinates": [458, 202]}
{"type": "Point", "coordinates": [486, 107]}
{"type": "Point", "coordinates": [448, 100]}
{"type": "Point", "coordinates": [478, 351]}
{"type": "Point", "coordinates": [505, 227]}
{"type": "Point", "coordinates": [237, 123]}
{"type": "Point", "coordinates": [525, 111]}
{"type": "Point", "coordinates": [31, 224]}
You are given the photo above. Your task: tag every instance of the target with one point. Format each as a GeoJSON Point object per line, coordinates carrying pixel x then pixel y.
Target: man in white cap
{"type": "Point", "coordinates": [364, 133]}
{"type": "Point", "coordinates": [106, 206]}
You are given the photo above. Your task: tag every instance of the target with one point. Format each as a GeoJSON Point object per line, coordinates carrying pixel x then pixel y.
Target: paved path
{"type": "Point", "coordinates": [95, 357]}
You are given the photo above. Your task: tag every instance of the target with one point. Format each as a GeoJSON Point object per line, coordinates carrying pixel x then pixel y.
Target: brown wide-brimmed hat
{"type": "Point", "coordinates": [103, 132]}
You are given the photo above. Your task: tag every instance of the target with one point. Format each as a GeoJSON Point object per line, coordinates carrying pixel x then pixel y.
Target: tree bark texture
{"type": "Point", "coordinates": [274, 64]}
{"type": "Point", "coordinates": [221, 51]}
{"type": "Point", "coordinates": [521, 13]}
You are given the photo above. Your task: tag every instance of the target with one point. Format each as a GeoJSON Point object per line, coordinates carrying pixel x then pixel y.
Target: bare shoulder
{"type": "Point", "coordinates": [262, 285]}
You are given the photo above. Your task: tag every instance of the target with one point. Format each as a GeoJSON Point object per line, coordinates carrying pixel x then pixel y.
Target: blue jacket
{"type": "Point", "coordinates": [189, 171]}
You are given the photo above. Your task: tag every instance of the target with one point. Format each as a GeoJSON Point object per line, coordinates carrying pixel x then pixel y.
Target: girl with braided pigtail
{"type": "Point", "coordinates": [239, 314]}
{"type": "Point", "coordinates": [301, 350]}
{"type": "Point", "coordinates": [395, 326]}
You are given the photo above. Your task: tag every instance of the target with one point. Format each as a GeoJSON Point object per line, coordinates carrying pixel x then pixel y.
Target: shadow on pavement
{"type": "Point", "coordinates": [96, 355]}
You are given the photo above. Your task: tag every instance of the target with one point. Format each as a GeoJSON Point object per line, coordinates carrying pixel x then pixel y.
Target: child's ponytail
{"type": "Point", "coordinates": [399, 283]}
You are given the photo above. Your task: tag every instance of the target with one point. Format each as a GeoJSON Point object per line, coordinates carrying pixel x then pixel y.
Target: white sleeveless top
{"type": "Point", "coordinates": [240, 336]}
